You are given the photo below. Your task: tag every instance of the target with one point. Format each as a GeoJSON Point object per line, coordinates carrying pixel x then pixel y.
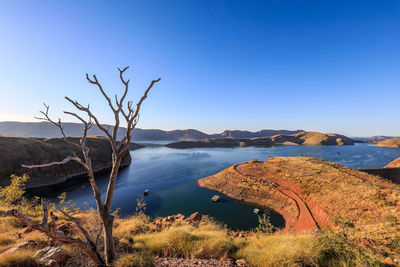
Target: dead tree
{"type": "Point", "coordinates": [130, 116]}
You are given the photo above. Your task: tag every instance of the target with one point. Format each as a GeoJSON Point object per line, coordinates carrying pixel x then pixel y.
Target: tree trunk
{"type": "Point", "coordinates": [109, 249]}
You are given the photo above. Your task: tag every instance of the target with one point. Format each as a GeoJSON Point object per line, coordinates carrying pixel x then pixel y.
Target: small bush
{"type": "Point", "coordinates": [264, 224]}
{"type": "Point", "coordinates": [13, 193]}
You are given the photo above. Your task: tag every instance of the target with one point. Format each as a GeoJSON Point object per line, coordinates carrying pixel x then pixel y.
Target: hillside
{"type": "Point", "coordinates": [302, 138]}
{"type": "Point", "coordinates": [394, 164]}
{"type": "Point", "coordinates": [311, 193]}
{"type": "Point", "coordinates": [392, 142]}
{"type": "Point", "coordinates": [15, 151]}
{"type": "Point", "coordinates": [47, 130]}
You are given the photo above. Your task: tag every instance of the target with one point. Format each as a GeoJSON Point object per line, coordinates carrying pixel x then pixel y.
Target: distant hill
{"type": "Point", "coordinates": [47, 130]}
{"type": "Point", "coordinates": [392, 142]}
{"type": "Point", "coordinates": [247, 134]}
{"type": "Point", "coordinates": [301, 138]}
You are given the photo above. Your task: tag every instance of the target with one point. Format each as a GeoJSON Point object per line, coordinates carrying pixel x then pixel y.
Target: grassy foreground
{"type": "Point", "coordinates": [354, 238]}
{"type": "Point", "coordinates": [140, 241]}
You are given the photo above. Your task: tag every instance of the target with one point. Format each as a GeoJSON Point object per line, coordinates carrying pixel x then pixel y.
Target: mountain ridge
{"type": "Point", "coordinates": [47, 130]}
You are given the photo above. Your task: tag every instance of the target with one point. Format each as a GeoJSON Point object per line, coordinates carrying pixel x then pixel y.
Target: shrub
{"type": "Point", "coordinates": [264, 224]}
{"type": "Point", "coordinates": [334, 249]}
{"type": "Point", "coordinates": [13, 193]}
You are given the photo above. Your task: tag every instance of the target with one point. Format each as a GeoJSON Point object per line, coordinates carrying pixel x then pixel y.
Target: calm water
{"type": "Point", "coordinates": [171, 175]}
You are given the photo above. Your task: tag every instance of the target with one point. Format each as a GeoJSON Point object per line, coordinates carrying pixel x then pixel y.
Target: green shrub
{"type": "Point", "coordinates": [13, 193]}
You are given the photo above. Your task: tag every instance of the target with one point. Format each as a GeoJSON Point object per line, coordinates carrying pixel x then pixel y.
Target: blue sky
{"type": "Point", "coordinates": [330, 66]}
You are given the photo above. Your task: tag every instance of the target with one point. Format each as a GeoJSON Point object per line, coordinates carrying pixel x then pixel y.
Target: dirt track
{"type": "Point", "coordinates": [305, 220]}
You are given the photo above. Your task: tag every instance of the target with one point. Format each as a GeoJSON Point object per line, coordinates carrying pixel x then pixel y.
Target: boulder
{"type": "Point", "coordinates": [256, 211]}
{"type": "Point", "coordinates": [195, 217]}
{"type": "Point", "coordinates": [179, 217]}
{"type": "Point", "coordinates": [241, 263]}
{"type": "Point", "coordinates": [51, 256]}
{"type": "Point", "coordinates": [215, 198]}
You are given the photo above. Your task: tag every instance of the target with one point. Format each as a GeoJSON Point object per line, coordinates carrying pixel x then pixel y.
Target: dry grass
{"type": "Point", "coordinates": [276, 250]}
{"type": "Point", "coordinates": [141, 242]}
{"type": "Point", "coordinates": [206, 241]}
{"type": "Point", "coordinates": [22, 258]}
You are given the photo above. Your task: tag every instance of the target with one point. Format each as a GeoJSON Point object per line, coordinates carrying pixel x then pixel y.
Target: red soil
{"type": "Point", "coordinates": [366, 178]}
{"type": "Point", "coordinates": [306, 220]}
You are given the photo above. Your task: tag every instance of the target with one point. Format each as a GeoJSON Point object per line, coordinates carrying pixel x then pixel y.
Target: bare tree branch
{"type": "Point", "coordinates": [64, 161]}
{"type": "Point", "coordinates": [126, 83]}
{"type": "Point", "coordinates": [57, 124]}
{"type": "Point", "coordinates": [50, 230]}
{"type": "Point", "coordinates": [87, 110]}
{"type": "Point", "coordinates": [96, 82]}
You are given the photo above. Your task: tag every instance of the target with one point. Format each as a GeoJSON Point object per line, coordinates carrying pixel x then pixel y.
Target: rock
{"type": "Point", "coordinates": [146, 192]}
{"type": "Point", "coordinates": [256, 211]}
{"type": "Point", "coordinates": [389, 261]}
{"type": "Point", "coordinates": [51, 256]}
{"type": "Point", "coordinates": [179, 217]}
{"type": "Point", "coordinates": [23, 245]}
{"type": "Point", "coordinates": [215, 198]}
{"type": "Point", "coordinates": [50, 263]}
{"type": "Point", "coordinates": [169, 219]}
{"type": "Point", "coordinates": [241, 262]}
{"type": "Point", "coordinates": [195, 217]}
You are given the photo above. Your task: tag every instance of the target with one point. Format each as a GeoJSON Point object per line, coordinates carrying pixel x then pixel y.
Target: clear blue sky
{"type": "Point", "coordinates": [330, 66]}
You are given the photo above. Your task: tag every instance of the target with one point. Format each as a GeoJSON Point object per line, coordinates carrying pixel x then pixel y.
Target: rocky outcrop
{"type": "Point", "coordinates": [15, 151]}
{"type": "Point", "coordinates": [51, 256]}
{"type": "Point", "coordinates": [301, 138]}
{"type": "Point", "coordinates": [392, 142]}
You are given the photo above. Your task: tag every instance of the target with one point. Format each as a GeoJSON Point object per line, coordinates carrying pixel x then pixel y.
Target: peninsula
{"type": "Point", "coordinates": [15, 151]}
{"type": "Point", "coordinates": [313, 194]}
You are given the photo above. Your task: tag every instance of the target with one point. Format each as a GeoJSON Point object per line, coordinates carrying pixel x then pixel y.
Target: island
{"type": "Point", "coordinates": [301, 138]}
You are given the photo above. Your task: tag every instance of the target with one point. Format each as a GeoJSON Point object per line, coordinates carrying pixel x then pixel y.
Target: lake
{"type": "Point", "coordinates": [171, 174]}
